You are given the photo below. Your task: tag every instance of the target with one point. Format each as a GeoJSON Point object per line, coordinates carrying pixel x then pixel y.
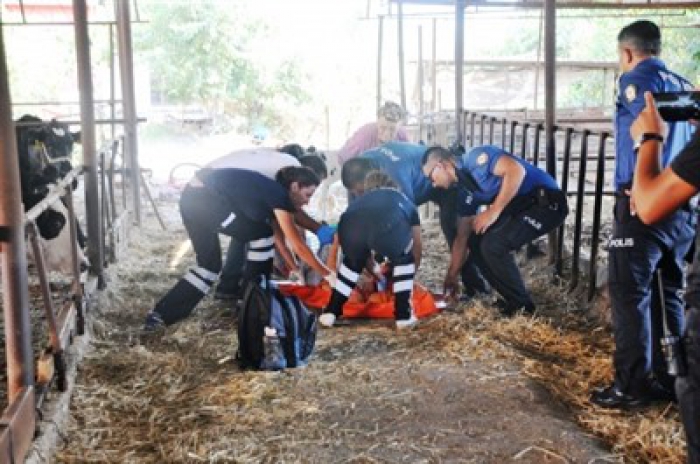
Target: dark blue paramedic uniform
{"type": "Point", "coordinates": [538, 207]}
{"type": "Point", "coordinates": [687, 166]}
{"type": "Point", "coordinates": [381, 221]}
{"type": "Point", "coordinates": [637, 250]}
{"type": "Point", "coordinates": [402, 162]}
{"type": "Point", "coordinates": [234, 202]}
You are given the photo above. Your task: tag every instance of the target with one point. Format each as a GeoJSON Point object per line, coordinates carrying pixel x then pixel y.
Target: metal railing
{"type": "Point", "coordinates": [71, 317]}
{"type": "Point", "coordinates": [64, 318]}
{"type": "Point", "coordinates": [523, 138]}
{"type": "Point", "coordinates": [114, 215]}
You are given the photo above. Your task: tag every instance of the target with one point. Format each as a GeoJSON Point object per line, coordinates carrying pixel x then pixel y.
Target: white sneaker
{"type": "Point", "coordinates": [327, 319]}
{"type": "Point", "coordinates": [403, 324]}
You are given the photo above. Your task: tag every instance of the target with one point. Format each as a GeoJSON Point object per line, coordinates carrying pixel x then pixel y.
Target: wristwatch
{"type": "Point", "coordinates": [645, 138]}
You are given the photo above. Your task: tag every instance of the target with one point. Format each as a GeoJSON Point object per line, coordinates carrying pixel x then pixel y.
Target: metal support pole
{"type": "Point", "coordinates": [112, 90]}
{"type": "Point", "coordinates": [459, 67]}
{"type": "Point", "coordinates": [421, 108]}
{"type": "Point", "coordinates": [402, 71]}
{"type": "Point", "coordinates": [87, 118]}
{"type": "Point", "coordinates": [380, 47]}
{"type": "Point", "coordinates": [433, 70]}
{"type": "Point", "coordinates": [550, 86]}
{"type": "Point", "coordinates": [578, 220]}
{"type": "Point", "coordinates": [565, 175]}
{"type": "Point", "coordinates": [597, 207]}
{"type": "Point", "coordinates": [537, 63]}
{"type": "Point", "coordinates": [13, 254]}
{"type": "Point", "coordinates": [126, 68]}
{"type": "Point", "coordinates": [550, 103]}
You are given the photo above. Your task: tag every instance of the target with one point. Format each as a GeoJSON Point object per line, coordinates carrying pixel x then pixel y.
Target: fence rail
{"type": "Point", "coordinates": [580, 171]}
{"type": "Point", "coordinates": [19, 421]}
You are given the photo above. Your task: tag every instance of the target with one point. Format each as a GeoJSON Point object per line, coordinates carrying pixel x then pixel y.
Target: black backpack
{"type": "Point", "coordinates": [264, 306]}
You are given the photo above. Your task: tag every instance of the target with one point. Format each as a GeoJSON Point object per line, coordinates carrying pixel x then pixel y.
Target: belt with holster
{"type": "Point", "coordinates": [540, 196]}
{"type": "Point", "coordinates": [548, 198]}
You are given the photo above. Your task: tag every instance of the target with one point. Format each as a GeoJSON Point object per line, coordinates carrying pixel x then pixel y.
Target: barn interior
{"type": "Point", "coordinates": [82, 383]}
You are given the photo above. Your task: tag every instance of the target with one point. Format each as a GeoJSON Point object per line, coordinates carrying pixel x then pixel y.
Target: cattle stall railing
{"type": "Point", "coordinates": [19, 419]}
{"type": "Point", "coordinates": [70, 318]}
{"type": "Point", "coordinates": [115, 214]}
{"type": "Point", "coordinates": [62, 308]}
{"type": "Point", "coordinates": [581, 168]}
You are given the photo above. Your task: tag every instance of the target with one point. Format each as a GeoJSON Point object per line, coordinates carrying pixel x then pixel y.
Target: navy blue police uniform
{"type": "Point", "coordinates": [637, 251]}
{"type": "Point", "coordinates": [687, 166]}
{"type": "Point", "coordinates": [234, 202]}
{"type": "Point", "coordinates": [381, 220]}
{"type": "Point", "coordinates": [402, 162]}
{"type": "Point", "coordinates": [268, 162]}
{"type": "Point", "coordinates": [538, 207]}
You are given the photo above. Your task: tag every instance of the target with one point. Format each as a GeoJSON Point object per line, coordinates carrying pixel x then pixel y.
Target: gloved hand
{"type": "Point", "coordinates": [325, 234]}
{"type": "Point", "coordinates": [377, 270]}
{"type": "Point", "coordinates": [331, 278]}
{"type": "Point", "coordinates": [297, 277]}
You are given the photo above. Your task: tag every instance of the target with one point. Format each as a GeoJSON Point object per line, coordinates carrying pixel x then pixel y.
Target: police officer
{"type": "Point", "coordinates": [401, 161]}
{"type": "Point", "coordinates": [267, 162]}
{"type": "Point", "coordinates": [382, 220]}
{"type": "Point", "coordinates": [524, 203]}
{"type": "Point", "coordinates": [247, 206]}
{"type": "Point", "coordinates": [637, 250]}
{"type": "Point", "coordinates": [657, 195]}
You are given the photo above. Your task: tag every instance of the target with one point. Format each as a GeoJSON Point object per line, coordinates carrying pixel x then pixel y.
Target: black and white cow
{"type": "Point", "coordinates": [45, 150]}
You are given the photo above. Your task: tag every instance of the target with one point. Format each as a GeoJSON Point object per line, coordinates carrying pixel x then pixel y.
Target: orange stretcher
{"type": "Point", "coordinates": [378, 305]}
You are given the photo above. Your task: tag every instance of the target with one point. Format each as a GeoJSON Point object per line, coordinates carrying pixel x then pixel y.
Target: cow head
{"type": "Point", "coordinates": [58, 142]}
{"type": "Point", "coordinates": [45, 151]}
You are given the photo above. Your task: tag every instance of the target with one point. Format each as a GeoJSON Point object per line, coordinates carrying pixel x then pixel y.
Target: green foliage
{"type": "Point", "coordinates": [204, 53]}
{"type": "Point", "coordinates": [682, 46]}
{"type": "Point", "coordinates": [592, 36]}
{"type": "Point", "coordinates": [588, 90]}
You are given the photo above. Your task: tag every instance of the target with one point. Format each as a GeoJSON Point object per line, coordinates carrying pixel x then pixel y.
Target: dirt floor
{"type": "Point", "coordinates": [464, 386]}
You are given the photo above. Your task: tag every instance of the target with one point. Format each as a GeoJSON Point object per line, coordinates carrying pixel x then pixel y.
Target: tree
{"type": "Point", "coordinates": [591, 36]}
{"type": "Point", "coordinates": [203, 53]}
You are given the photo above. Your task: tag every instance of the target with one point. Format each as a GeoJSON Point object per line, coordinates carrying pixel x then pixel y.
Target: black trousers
{"type": "Point", "coordinates": [233, 271]}
{"type": "Point", "coordinates": [688, 387]}
{"type": "Point", "coordinates": [636, 251]}
{"type": "Point", "coordinates": [205, 215]}
{"type": "Point", "coordinates": [473, 280]}
{"type": "Point", "coordinates": [391, 238]}
{"type": "Point", "coordinates": [494, 250]}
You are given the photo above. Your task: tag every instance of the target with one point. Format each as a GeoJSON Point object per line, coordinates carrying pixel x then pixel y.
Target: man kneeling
{"type": "Point", "coordinates": [523, 203]}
